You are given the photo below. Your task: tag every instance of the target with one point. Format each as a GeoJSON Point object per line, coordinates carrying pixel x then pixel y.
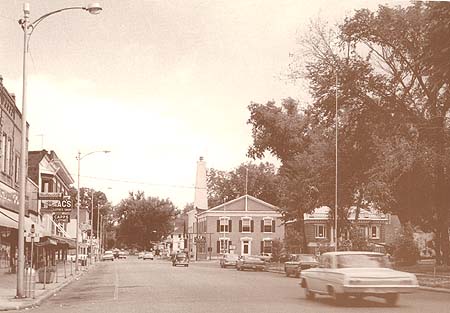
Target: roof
{"type": "Point", "coordinates": [323, 213]}
{"type": "Point", "coordinates": [226, 206]}
{"type": "Point", "coordinates": [352, 253]}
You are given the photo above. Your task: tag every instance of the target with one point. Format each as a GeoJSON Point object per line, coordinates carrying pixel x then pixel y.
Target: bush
{"type": "Point", "coordinates": [406, 251]}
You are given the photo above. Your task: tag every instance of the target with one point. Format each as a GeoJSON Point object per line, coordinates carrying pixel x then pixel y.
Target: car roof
{"type": "Point", "coordinates": [352, 253]}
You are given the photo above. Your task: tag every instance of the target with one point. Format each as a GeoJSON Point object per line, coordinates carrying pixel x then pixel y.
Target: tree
{"type": "Point", "coordinates": [142, 221]}
{"type": "Point", "coordinates": [260, 181]}
{"type": "Point", "coordinates": [405, 249]}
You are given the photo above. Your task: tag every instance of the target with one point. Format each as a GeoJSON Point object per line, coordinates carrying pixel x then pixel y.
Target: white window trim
{"type": "Point", "coordinates": [264, 227]}
{"type": "Point", "coordinates": [226, 226]}
{"type": "Point", "coordinates": [316, 226]}
{"type": "Point", "coordinates": [378, 230]}
{"type": "Point", "coordinates": [250, 224]}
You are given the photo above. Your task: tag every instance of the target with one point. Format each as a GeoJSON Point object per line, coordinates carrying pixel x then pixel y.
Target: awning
{"type": "Point", "coordinates": [7, 221]}
{"type": "Point", "coordinates": [10, 219]}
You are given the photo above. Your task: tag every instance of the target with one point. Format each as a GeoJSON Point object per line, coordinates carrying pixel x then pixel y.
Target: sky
{"type": "Point", "coordinates": [159, 83]}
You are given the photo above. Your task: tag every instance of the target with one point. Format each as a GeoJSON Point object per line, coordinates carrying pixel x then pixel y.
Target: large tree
{"type": "Point", "coordinates": [258, 180]}
{"type": "Point", "coordinates": [390, 70]}
{"type": "Point", "coordinates": [143, 221]}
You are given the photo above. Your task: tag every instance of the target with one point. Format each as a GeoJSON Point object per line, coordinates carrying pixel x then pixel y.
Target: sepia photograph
{"type": "Point", "coordinates": [224, 156]}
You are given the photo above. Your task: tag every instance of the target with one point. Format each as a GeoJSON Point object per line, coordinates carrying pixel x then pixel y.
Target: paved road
{"type": "Point", "coordinates": [133, 285]}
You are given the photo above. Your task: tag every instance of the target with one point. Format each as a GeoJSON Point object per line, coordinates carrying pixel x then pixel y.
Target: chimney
{"type": "Point", "coordinates": [201, 192]}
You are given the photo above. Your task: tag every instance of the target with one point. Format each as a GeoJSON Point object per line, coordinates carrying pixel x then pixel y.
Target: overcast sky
{"type": "Point", "coordinates": [157, 82]}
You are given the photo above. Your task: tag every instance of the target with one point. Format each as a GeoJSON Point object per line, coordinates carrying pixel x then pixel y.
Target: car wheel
{"type": "Point", "coordinates": [339, 298]}
{"type": "Point", "coordinates": [309, 295]}
{"type": "Point", "coordinates": [391, 298]}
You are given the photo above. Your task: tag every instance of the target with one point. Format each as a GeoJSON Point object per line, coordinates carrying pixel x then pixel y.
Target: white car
{"type": "Point", "coordinates": [140, 255]}
{"type": "Point", "coordinates": [357, 274]}
{"type": "Point", "coordinates": [147, 255]}
{"type": "Point", "coordinates": [108, 256]}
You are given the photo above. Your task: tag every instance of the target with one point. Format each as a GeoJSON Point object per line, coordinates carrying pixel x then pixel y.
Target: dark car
{"type": "Point", "coordinates": [299, 262]}
{"type": "Point", "coordinates": [250, 262]}
{"type": "Point", "coordinates": [180, 259]}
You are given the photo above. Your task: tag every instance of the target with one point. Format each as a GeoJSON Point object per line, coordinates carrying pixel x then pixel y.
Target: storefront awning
{"type": "Point", "coordinates": [10, 219]}
{"type": "Point", "coordinates": [7, 221]}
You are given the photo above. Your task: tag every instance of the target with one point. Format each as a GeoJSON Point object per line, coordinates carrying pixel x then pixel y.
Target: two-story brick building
{"type": "Point", "coordinates": [378, 228]}
{"type": "Point", "coordinates": [245, 226]}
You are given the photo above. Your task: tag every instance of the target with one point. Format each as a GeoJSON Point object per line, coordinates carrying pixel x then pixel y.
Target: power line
{"type": "Point", "coordinates": [140, 182]}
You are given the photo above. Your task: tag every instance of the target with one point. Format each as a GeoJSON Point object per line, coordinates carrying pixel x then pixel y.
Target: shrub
{"type": "Point", "coordinates": [406, 251]}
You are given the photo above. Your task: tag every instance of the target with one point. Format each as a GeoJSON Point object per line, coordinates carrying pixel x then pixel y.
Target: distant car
{"type": "Point", "coordinates": [228, 259]}
{"type": "Point", "coordinates": [357, 274]}
{"type": "Point", "coordinates": [180, 259]}
{"type": "Point", "coordinates": [250, 262]}
{"type": "Point", "coordinates": [122, 255]}
{"type": "Point", "coordinates": [147, 255]}
{"type": "Point", "coordinates": [266, 257]}
{"type": "Point", "coordinates": [140, 255]}
{"type": "Point", "coordinates": [299, 262]}
{"type": "Point", "coordinates": [108, 256]}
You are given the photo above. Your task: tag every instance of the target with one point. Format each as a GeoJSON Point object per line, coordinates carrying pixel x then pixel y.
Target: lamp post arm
{"type": "Point", "coordinates": [80, 157]}
{"type": "Point", "coordinates": [29, 28]}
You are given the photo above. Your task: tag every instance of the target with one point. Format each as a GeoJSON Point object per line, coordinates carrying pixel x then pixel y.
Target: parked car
{"type": "Point", "coordinates": [141, 255]}
{"type": "Point", "coordinates": [147, 256]}
{"type": "Point", "coordinates": [228, 259]}
{"type": "Point", "coordinates": [299, 262]}
{"type": "Point", "coordinates": [250, 262]}
{"type": "Point", "coordinates": [266, 257]}
{"type": "Point", "coordinates": [357, 274]}
{"type": "Point", "coordinates": [122, 255]}
{"type": "Point", "coordinates": [180, 259]}
{"type": "Point", "coordinates": [108, 256]}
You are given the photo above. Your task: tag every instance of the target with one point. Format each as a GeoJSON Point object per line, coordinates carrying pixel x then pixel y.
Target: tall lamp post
{"type": "Point", "coordinates": [28, 28]}
{"type": "Point", "coordinates": [79, 158]}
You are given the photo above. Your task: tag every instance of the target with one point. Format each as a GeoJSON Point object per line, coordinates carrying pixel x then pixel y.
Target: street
{"type": "Point", "coordinates": [134, 285]}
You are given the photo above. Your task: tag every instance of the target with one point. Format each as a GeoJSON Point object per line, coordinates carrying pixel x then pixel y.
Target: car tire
{"type": "Point", "coordinates": [339, 298]}
{"type": "Point", "coordinates": [391, 299]}
{"type": "Point", "coordinates": [309, 295]}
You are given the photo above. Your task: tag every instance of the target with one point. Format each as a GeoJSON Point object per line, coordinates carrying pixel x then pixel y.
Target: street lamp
{"type": "Point", "coordinates": [79, 158]}
{"type": "Point", "coordinates": [28, 28]}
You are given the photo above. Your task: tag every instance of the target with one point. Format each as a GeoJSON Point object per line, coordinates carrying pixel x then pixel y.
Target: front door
{"type": "Point", "coordinates": [245, 247]}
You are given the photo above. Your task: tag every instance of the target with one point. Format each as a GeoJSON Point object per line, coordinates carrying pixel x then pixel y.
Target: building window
{"type": "Point", "coordinates": [223, 245]}
{"type": "Point", "coordinates": [246, 225]}
{"type": "Point", "coordinates": [8, 167]}
{"type": "Point", "coordinates": [3, 152]}
{"type": "Point", "coordinates": [224, 225]}
{"type": "Point", "coordinates": [320, 231]}
{"type": "Point", "coordinates": [375, 232]}
{"type": "Point", "coordinates": [16, 169]}
{"type": "Point", "coordinates": [266, 246]}
{"type": "Point", "coordinates": [268, 225]}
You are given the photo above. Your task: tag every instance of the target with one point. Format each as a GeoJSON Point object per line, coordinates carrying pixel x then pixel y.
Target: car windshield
{"type": "Point", "coordinates": [307, 258]}
{"type": "Point", "coordinates": [252, 258]}
{"type": "Point", "coordinates": [231, 256]}
{"type": "Point", "coordinates": [362, 261]}
{"type": "Point", "coordinates": [181, 255]}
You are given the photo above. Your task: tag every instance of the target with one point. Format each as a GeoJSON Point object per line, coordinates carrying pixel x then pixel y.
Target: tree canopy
{"type": "Point", "coordinates": [388, 72]}
{"type": "Point", "coordinates": [142, 221]}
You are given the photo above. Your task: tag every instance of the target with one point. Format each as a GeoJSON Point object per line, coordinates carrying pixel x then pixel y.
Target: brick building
{"type": "Point", "coordinates": [378, 228]}
{"type": "Point", "coordinates": [245, 226]}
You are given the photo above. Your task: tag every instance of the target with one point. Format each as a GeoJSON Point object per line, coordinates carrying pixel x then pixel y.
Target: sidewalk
{"type": "Point", "coordinates": [430, 282]}
{"type": "Point", "coordinates": [8, 285]}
